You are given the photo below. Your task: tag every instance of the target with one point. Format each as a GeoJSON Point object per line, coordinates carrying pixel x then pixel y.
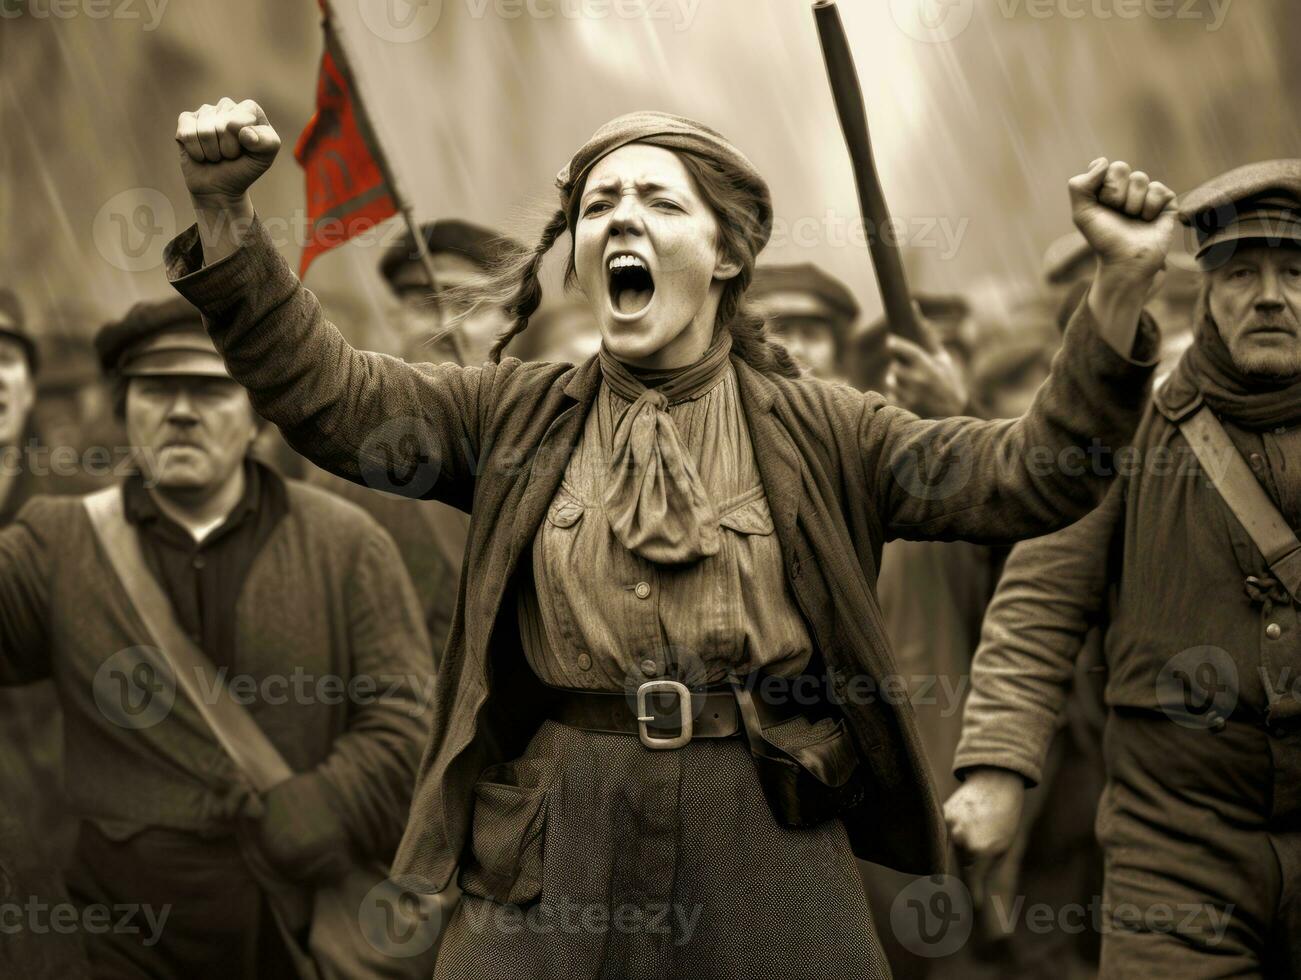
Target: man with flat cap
{"type": "Point", "coordinates": [434, 327]}
{"type": "Point", "coordinates": [290, 599]}
{"type": "Point", "coordinates": [1193, 567]}
{"type": "Point", "coordinates": [810, 313]}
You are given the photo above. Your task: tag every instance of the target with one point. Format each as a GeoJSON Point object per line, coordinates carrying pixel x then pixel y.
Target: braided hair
{"type": "Point", "coordinates": [528, 293]}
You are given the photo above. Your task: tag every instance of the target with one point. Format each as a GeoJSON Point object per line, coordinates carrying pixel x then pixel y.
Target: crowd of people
{"type": "Point", "coordinates": [520, 615]}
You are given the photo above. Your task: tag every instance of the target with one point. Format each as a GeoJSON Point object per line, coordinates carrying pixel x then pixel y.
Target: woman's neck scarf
{"type": "Point", "coordinates": [654, 499]}
{"type": "Point", "coordinates": [1250, 401]}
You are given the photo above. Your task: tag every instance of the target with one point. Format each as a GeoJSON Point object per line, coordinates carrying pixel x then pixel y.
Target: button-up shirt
{"type": "Point", "coordinates": [601, 616]}
{"type": "Point", "coordinates": [204, 579]}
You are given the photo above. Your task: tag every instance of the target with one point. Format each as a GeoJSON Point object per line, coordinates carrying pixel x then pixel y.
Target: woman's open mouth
{"type": "Point", "coordinates": [632, 287]}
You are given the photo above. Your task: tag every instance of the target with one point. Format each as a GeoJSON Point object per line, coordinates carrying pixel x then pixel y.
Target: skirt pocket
{"type": "Point", "coordinates": [505, 859]}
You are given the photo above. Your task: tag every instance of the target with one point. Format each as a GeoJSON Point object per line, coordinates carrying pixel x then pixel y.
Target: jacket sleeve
{"type": "Point", "coordinates": [1052, 591]}
{"type": "Point", "coordinates": [376, 420]}
{"type": "Point", "coordinates": [371, 768]}
{"type": "Point", "coordinates": [25, 569]}
{"type": "Point", "coordinates": [998, 482]}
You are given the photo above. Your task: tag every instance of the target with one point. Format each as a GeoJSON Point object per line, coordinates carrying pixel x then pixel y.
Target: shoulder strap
{"type": "Point", "coordinates": [236, 731]}
{"type": "Point", "coordinates": [1245, 496]}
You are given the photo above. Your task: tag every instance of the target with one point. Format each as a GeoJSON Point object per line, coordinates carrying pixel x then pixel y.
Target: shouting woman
{"type": "Point", "coordinates": [667, 719]}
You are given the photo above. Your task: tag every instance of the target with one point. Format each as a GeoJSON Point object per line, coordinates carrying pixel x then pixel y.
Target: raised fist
{"type": "Point", "coordinates": [225, 148]}
{"type": "Point", "coordinates": [1128, 219]}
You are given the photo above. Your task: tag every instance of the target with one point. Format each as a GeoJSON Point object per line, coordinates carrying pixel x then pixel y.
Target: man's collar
{"type": "Point", "coordinates": [142, 508]}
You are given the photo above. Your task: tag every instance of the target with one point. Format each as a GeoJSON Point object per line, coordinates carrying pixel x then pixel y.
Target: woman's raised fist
{"type": "Point", "coordinates": [225, 148]}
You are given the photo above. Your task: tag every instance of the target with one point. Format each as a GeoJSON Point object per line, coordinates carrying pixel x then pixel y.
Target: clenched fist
{"type": "Point", "coordinates": [1128, 218]}
{"type": "Point", "coordinates": [983, 815]}
{"type": "Point", "coordinates": [224, 149]}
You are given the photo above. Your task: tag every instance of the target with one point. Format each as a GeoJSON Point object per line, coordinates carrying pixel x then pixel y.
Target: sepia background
{"type": "Point", "coordinates": [980, 113]}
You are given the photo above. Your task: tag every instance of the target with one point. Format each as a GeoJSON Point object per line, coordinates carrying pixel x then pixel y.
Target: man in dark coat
{"type": "Point", "coordinates": [300, 602]}
{"type": "Point", "coordinates": [1201, 816]}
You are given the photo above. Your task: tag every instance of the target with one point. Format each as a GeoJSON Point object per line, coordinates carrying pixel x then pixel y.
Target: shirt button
{"type": "Point", "coordinates": [642, 590]}
{"type": "Point", "coordinates": [649, 668]}
{"type": "Point", "coordinates": [199, 562]}
{"type": "Point", "coordinates": [1273, 631]}
{"type": "Point", "coordinates": [584, 662]}
{"type": "Point", "coordinates": [1257, 461]}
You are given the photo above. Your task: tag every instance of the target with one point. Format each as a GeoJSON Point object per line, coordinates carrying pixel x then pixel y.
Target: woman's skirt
{"type": "Point", "coordinates": [594, 857]}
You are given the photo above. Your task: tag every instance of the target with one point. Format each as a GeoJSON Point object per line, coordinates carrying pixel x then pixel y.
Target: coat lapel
{"type": "Point", "coordinates": [547, 468]}
{"type": "Point", "coordinates": [775, 455]}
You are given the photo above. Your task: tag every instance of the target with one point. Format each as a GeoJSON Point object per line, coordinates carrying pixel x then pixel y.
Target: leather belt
{"type": "Point", "coordinates": [655, 713]}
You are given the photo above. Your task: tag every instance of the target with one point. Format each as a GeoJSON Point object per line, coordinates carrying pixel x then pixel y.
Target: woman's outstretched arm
{"type": "Point", "coordinates": [1002, 481]}
{"type": "Point", "coordinates": [373, 419]}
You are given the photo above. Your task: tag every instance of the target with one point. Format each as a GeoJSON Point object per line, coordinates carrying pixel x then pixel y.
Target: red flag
{"type": "Point", "coordinates": [346, 190]}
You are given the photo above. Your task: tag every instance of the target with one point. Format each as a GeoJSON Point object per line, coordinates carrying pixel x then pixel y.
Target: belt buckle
{"type": "Point", "coordinates": [643, 717]}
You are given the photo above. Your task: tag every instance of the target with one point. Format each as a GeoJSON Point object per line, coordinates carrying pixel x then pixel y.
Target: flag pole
{"type": "Point", "coordinates": [847, 92]}
{"type": "Point", "coordinates": [403, 204]}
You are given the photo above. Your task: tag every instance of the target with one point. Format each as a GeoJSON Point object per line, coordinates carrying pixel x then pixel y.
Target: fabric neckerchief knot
{"type": "Point", "coordinates": [654, 499]}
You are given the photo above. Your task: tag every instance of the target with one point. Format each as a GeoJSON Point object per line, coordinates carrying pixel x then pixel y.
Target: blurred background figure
{"type": "Point", "coordinates": [934, 595]}
{"type": "Point", "coordinates": [35, 829]}
{"type": "Point", "coordinates": [430, 535]}
{"type": "Point", "coordinates": [810, 313]}
{"type": "Point", "coordinates": [73, 406]}
{"type": "Point", "coordinates": [1068, 267]}
{"type": "Point", "coordinates": [460, 251]}
{"type": "Point", "coordinates": [1010, 365]}
{"type": "Point", "coordinates": [18, 361]}
{"type": "Point", "coordinates": [934, 387]}
{"type": "Point", "coordinates": [1174, 307]}
{"type": "Point", "coordinates": [561, 331]}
